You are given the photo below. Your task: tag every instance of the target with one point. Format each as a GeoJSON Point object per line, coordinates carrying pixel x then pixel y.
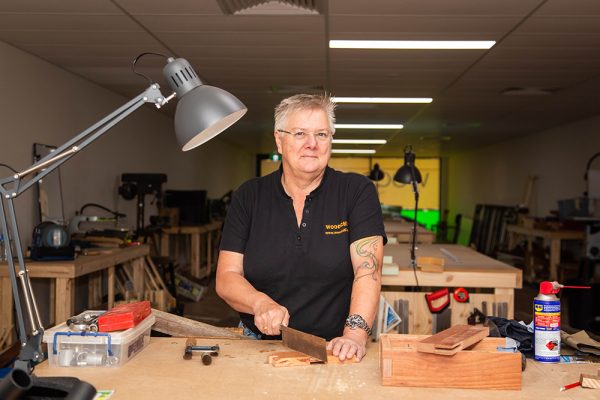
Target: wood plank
{"type": "Point", "coordinates": [177, 326]}
{"type": "Point", "coordinates": [297, 359]}
{"type": "Point", "coordinates": [481, 367]}
{"type": "Point", "coordinates": [6, 303]}
{"type": "Point", "coordinates": [82, 265]}
{"type": "Point", "coordinates": [453, 340]}
{"type": "Point", "coordinates": [240, 372]}
{"type": "Point", "coordinates": [590, 381]}
{"type": "Point", "coordinates": [111, 286]}
{"type": "Point", "coordinates": [474, 270]}
{"type": "Point", "coordinates": [64, 300]}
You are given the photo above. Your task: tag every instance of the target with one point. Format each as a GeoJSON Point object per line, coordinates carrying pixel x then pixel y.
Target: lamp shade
{"type": "Point", "coordinates": [203, 111]}
{"type": "Point", "coordinates": [405, 172]}
{"type": "Point", "coordinates": [376, 174]}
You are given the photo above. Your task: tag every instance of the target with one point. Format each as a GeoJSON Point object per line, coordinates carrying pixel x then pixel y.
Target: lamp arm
{"type": "Point", "coordinates": [413, 245]}
{"type": "Point", "coordinates": [31, 352]}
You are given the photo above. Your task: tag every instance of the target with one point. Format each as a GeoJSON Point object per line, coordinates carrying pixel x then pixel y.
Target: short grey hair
{"type": "Point", "coordinates": [299, 102]}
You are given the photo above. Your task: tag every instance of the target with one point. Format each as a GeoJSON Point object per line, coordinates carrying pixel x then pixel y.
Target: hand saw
{"type": "Point", "coordinates": [306, 343]}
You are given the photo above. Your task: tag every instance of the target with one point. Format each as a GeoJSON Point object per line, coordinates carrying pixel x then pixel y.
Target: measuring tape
{"type": "Point", "coordinates": [461, 295]}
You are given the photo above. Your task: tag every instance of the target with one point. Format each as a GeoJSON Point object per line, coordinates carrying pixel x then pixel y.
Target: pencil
{"type": "Point", "coordinates": [570, 386]}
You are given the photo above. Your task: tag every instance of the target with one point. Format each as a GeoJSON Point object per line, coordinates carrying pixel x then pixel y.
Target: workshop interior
{"type": "Point", "coordinates": [128, 126]}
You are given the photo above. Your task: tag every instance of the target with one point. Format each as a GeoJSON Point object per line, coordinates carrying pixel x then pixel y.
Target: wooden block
{"type": "Point", "coordinates": [177, 326]}
{"type": "Point", "coordinates": [590, 381]}
{"type": "Point", "coordinates": [480, 367]}
{"type": "Point", "coordinates": [430, 264]}
{"type": "Point", "coordinates": [297, 359]}
{"type": "Point", "coordinates": [453, 340]}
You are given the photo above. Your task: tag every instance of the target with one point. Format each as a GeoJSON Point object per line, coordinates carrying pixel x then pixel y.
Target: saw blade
{"type": "Point", "coordinates": [306, 343]}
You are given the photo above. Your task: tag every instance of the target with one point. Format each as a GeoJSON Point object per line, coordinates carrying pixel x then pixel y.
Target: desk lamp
{"type": "Point", "coordinates": [202, 113]}
{"type": "Point", "coordinates": [409, 173]}
{"type": "Point", "coordinates": [376, 174]}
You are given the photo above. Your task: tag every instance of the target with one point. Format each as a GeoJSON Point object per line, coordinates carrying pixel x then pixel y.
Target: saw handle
{"type": "Point", "coordinates": [430, 297]}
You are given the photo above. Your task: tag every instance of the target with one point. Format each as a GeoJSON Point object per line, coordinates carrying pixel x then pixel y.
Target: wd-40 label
{"type": "Point", "coordinates": [546, 316]}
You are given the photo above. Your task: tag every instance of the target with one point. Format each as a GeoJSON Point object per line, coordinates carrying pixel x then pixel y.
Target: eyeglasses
{"type": "Point", "coordinates": [321, 136]}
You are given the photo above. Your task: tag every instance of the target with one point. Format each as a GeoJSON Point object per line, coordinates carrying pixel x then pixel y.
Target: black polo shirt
{"type": "Point", "coordinates": [305, 268]}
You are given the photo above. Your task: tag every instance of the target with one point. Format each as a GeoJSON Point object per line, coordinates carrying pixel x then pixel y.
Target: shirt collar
{"type": "Point", "coordinates": [281, 189]}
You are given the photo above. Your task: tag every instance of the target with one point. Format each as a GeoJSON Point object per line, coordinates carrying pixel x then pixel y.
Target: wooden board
{"type": "Point", "coordinates": [175, 325]}
{"type": "Point", "coordinates": [590, 381]}
{"type": "Point", "coordinates": [297, 359]}
{"type": "Point", "coordinates": [479, 367]}
{"type": "Point", "coordinates": [241, 372]}
{"type": "Point", "coordinates": [453, 340]}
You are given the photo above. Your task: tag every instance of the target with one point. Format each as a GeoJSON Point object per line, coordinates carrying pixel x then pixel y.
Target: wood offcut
{"type": "Point", "coordinates": [453, 340]}
{"type": "Point", "coordinates": [177, 326]}
{"type": "Point", "coordinates": [481, 366]}
{"type": "Point", "coordinates": [298, 359]}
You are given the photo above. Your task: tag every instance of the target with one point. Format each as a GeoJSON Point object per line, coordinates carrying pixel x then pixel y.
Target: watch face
{"type": "Point", "coordinates": [354, 320]}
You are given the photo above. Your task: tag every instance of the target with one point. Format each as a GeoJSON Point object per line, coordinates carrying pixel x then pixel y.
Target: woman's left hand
{"type": "Point", "coordinates": [352, 344]}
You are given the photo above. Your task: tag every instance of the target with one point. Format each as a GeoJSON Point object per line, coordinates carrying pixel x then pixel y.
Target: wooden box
{"type": "Point", "coordinates": [481, 366]}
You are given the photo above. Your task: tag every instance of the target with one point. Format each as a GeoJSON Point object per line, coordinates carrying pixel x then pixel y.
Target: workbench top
{"type": "Point", "coordinates": [241, 372]}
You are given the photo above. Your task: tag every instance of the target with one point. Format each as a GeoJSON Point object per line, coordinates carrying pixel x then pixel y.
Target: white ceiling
{"type": "Point", "coordinates": [550, 44]}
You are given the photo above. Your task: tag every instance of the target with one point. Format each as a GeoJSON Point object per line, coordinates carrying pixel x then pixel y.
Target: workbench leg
{"type": "Point", "coordinates": [138, 276]}
{"type": "Point", "coordinates": [6, 304]}
{"type": "Point", "coordinates": [507, 295]}
{"type": "Point", "coordinates": [64, 300]}
{"type": "Point", "coordinates": [195, 255]}
{"type": "Point", "coordinates": [52, 308]}
{"type": "Point", "coordinates": [111, 286]}
{"type": "Point", "coordinates": [554, 258]}
{"type": "Point", "coordinates": [94, 289]}
{"type": "Point", "coordinates": [164, 245]}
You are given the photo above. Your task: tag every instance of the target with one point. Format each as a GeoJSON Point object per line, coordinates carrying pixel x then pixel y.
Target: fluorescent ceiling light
{"type": "Point", "coordinates": [359, 141]}
{"type": "Point", "coordinates": [412, 44]}
{"type": "Point", "coordinates": [353, 151]}
{"type": "Point", "coordinates": [368, 126]}
{"type": "Point", "coordinates": [390, 100]}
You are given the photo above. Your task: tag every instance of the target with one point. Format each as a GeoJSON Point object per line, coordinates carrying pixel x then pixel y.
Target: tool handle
{"type": "Point", "coordinates": [430, 297]}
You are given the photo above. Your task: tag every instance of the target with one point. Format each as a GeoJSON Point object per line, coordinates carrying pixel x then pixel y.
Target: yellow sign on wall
{"type": "Point", "coordinates": [390, 192]}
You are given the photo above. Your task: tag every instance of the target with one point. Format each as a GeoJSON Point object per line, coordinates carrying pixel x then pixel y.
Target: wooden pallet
{"type": "Point", "coordinates": [481, 366]}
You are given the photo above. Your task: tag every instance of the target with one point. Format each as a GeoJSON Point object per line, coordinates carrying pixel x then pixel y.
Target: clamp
{"type": "Point", "coordinates": [208, 352]}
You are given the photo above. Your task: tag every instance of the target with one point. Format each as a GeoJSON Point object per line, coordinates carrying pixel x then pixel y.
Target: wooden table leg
{"type": "Point", "coordinates": [95, 289]}
{"type": "Point", "coordinates": [554, 258]}
{"type": "Point", "coordinates": [164, 245]}
{"type": "Point", "coordinates": [111, 286]}
{"type": "Point", "coordinates": [195, 255]}
{"type": "Point", "coordinates": [64, 299]}
{"type": "Point", "coordinates": [6, 304]}
{"type": "Point", "coordinates": [138, 276]}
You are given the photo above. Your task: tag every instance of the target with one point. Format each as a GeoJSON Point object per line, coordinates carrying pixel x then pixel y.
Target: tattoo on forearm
{"type": "Point", "coordinates": [366, 248]}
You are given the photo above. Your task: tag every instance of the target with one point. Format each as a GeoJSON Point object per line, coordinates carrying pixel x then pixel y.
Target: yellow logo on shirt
{"type": "Point", "coordinates": [337, 228]}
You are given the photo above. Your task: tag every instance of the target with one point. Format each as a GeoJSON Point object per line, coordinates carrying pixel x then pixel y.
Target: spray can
{"type": "Point", "coordinates": [546, 322]}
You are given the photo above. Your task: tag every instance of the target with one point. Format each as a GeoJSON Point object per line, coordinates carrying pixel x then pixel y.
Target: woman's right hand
{"type": "Point", "coordinates": [269, 316]}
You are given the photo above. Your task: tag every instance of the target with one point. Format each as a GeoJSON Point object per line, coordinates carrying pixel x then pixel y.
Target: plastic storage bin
{"type": "Point", "coordinates": [67, 348]}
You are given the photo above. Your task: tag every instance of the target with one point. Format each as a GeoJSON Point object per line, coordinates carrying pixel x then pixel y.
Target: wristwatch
{"type": "Point", "coordinates": [355, 321]}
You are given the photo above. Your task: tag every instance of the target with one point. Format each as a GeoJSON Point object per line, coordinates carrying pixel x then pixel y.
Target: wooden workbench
{"type": "Point", "coordinates": [63, 274]}
{"type": "Point", "coordinates": [472, 271]}
{"type": "Point", "coordinates": [196, 248]}
{"type": "Point", "coordinates": [241, 372]}
{"type": "Point", "coordinates": [554, 236]}
{"type": "Point", "coordinates": [402, 231]}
